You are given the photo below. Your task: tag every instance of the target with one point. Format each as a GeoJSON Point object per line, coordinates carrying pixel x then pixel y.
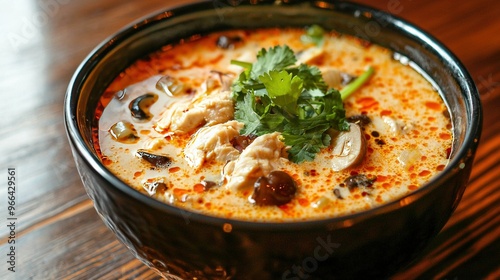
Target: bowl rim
{"type": "Point", "coordinates": [455, 66]}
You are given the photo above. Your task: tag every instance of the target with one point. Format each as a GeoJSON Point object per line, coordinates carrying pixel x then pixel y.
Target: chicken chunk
{"type": "Point", "coordinates": [213, 143]}
{"type": "Point", "coordinates": [261, 157]}
{"type": "Point", "coordinates": [184, 117]}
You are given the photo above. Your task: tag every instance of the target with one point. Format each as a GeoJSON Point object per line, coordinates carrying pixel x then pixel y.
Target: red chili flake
{"type": "Point", "coordinates": [370, 168]}
{"type": "Point", "coordinates": [385, 113]}
{"type": "Point", "coordinates": [179, 192]}
{"type": "Point", "coordinates": [367, 102]}
{"type": "Point", "coordinates": [381, 178]}
{"type": "Point", "coordinates": [424, 173]}
{"type": "Point", "coordinates": [433, 105]}
{"type": "Point", "coordinates": [106, 161]}
{"type": "Point", "coordinates": [199, 188]}
{"type": "Point", "coordinates": [445, 136]}
{"type": "Point", "coordinates": [287, 208]}
{"type": "Point", "coordinates": [304, 202]}
{"type": "Point", "coordinates": [137, 174]}
{"type": "Point", "coordinates": [174, 169]}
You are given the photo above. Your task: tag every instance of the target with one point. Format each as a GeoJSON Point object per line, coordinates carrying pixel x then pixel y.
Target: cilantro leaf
{"type": "Point", "coordinates": [305, 147]}
{"type": "Point", "coordinates": [311, 75]}
{"type": "Point", "coordinates": [245, 113]}
{"type": "Point", "coordinates": [276, 58]}
{"type": "Point", "coordinates": [283, 88]}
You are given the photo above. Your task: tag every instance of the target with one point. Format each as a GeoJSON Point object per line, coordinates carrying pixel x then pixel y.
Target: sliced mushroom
{"type": "Point", "coordinates": [359, 181]}
{"type": "Point", "coordinates": [335, 79]}
{"type": "Point", "coordinates": [159, 161]}
{"type": "Point", "coordinates": [124, 132]}
{"type": "Point", "coordinates": [218, 79]}
{"type": "Point", "coordinates": [119, 95]}
{"type": "Point", "coordinates": [155, 186]}
{"type": "Point", "coordinates": [171, 86]}
{"type": "Point", "coordinates": [139, 107]}
{"type": "Point", "coordinates": [349, 148]}
{"type": "Point", "coordinates": [360, 119]}
{"type": "Point", "coordinates": [225, 42]}
{"type": "Point", "coordinates": [240, 142]}
{"type": "Point", "coordinates": [337, 193]}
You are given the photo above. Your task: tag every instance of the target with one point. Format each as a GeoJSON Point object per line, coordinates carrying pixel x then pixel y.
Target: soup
{"type": "Point", "coordinates": [273, 125]}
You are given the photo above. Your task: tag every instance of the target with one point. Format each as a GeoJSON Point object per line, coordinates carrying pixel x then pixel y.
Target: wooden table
{"type": "Point", "coordinates": [58, 234]}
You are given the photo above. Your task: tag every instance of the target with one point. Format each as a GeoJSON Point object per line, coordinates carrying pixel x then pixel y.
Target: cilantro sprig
{"type": "Point", "coordinates": [274, 94]}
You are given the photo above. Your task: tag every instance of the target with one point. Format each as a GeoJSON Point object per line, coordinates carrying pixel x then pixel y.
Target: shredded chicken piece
{"type": "Point", "coordinates": [184, 117]}
{"type": "Point", "coordinates": [261, 157]}
{"type": "Point", "coordinates": [213, 143]}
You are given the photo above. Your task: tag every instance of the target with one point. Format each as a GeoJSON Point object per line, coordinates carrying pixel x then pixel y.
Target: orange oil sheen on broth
{"type": "Point", "coordinates": [408, 139]}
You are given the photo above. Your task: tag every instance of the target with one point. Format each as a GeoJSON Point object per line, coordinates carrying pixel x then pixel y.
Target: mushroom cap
{"type": "Point", "coordinates": [349, 148]}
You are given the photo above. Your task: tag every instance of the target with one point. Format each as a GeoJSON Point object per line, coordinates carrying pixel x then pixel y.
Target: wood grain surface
{"type": "Point", "coordinates": [58, 233]}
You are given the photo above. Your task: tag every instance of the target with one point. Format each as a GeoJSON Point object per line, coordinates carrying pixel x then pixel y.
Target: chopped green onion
{"type": "Point", "coordinates": [244, 64]}
{"type": "Point", "coordinates": [357, 83]}
{"type": "Point", "coordinates": [315, 31]}
{"type": "Point", "coordinates": [314, 34]}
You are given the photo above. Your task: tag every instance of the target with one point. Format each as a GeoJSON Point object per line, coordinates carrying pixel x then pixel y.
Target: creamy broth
{"type": "Point", "coordinates": [407, 140]}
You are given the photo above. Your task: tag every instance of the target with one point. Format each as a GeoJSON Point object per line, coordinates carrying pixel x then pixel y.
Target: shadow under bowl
{"type": "Point", "coordinates": [179, 243]}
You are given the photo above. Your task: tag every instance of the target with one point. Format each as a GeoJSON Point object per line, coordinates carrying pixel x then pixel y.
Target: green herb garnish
{"type": "Point", "coordinates": [274, 94]}
{"type": "Point", "coordinates": [357, 83]}
{"type": "Point", "coordinates": [314, 34]}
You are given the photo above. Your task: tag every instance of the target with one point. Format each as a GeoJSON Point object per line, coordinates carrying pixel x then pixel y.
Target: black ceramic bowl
{"type": "Point", "coordinates": [176, 242]}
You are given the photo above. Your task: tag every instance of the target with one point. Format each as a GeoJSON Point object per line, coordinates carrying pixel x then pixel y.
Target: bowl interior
{"type": "Point", "coordinates": [409, 43]}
